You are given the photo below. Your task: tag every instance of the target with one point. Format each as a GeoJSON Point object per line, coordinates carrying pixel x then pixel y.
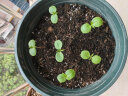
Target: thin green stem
{"type": "Point", "coordinates": [91, 56]}
{"type": "Point", "coordinates": [60, 50]}
{"type": "Point", "coordinates": [54, 13]}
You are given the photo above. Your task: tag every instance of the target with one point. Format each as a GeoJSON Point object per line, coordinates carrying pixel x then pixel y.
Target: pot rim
{"type": "Point", "coordinates": [108, 84]}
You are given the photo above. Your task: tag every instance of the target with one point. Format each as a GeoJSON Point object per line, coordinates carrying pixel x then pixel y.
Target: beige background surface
{"type": "Point", "coordinates": [120, 87]}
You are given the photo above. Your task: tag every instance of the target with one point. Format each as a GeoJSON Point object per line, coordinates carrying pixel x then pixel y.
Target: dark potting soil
{"type": "Point", "coordinates": [99, 41]}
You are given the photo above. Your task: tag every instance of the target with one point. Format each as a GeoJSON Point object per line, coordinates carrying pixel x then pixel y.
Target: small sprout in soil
{"type": "Point", "coordinates": [85, 28]}
{"type": "Point", "coordinates": [61, 78]}
{"type": "Point", "coordinates": [96, 59]}
{"type": "Point", "coordinates": [32, 46]}
{"type": "Point", "coordinates": [54, 16]}
{"type": "Point", "coordinates": [96, 22]}
{"type": "Point", "coordinates": [70, 74]}
{"type": "Point", "coordinates": [52, 9]}
{"type": "Point", "coordinates": [85, 54]}
{"type": "Point", "coordinates": [59, 55]}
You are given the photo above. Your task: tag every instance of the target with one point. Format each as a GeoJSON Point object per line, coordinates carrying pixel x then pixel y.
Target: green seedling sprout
{"type": "Point", "coordinates": [53, 12]}
{"type": "Point", "coordinates": [68, 75]}
{"type": "Point", "coordinates": [85, 54]}
{"type": "Point", "coordinates": [95, 22]}
{"type": "Point", "coordinates": [59, 55]}
{"type": "Point", "coordinates": [32, 47]}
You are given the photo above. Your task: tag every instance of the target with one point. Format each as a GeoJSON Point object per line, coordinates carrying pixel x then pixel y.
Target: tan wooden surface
{"type": "Point", "coordinates": [10, 11]}
{"type": "Point", "coordinates": [18, 89]}
{"type": "Point", "coordinates": [120, 87]}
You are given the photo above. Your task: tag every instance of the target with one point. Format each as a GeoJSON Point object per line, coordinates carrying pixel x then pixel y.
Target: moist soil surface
{"type": "Point", "coordinates": [99, 41]}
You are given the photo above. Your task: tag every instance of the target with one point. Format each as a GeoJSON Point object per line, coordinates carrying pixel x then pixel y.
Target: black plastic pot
{"type": "Point", "coordinates": [25, 63]}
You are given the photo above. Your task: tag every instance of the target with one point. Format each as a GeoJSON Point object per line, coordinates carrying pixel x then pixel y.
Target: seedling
{"type": "Point", "coordinates": [59, 55]}
{"type": "Point", "coordinates": [96, 22]}
{"type": "Point", "coordinates": [85, 54]}
{"type": "Point", "coordinates": [53, 12]}
{"type": "Point", "coordinates": [69, 74]}
{"type": "Point", "coordinates": [32, 47]}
